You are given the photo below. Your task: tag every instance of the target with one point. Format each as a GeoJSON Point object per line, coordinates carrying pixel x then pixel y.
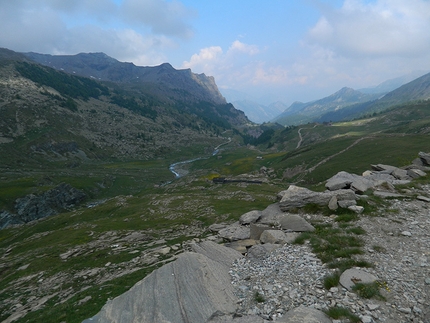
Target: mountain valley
{"type": "Point", "coordinates": [111, 130]}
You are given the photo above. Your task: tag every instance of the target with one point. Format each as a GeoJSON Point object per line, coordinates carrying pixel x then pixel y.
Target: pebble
{"type": "Point", "coordinates": [292, 275]}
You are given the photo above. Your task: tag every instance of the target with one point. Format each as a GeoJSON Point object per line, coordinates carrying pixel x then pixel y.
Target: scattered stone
{"type": "Point", "coordinates": [296, 223]}
{"type": "Point", "coordinates": [385, 194]}
{"type": "Point", "coordinates": [372, 307]}
{"type": "Point", "coordinates": [258, 252]}
{"type": "Point", "coordinates": [217, 227]}
{"type": "Point", "coordinates": [274, 236]}
{"type": "Point", "coordinates": [346, 203]}
{"type": "Point", "coordinates": [406, 233]}
{"type": "Point", "coordinates": [24, 267]}
{"type": "Point", "coordinates": [304, 314]}
{"type": "Point", "coordinates": [415, 173]}
{"type": "Point", "coordinates": [250, 217]}
{"type": "Point", "coordinates": [406, 310]}
{"type": "Point", "coordinates": [425, 158]}
{"type": "Point", "coordinates": [235, 232]}
{"type": "Point", "coordinates": [271, 215]}
{"type": "Point", "coordinates": [332, 204]}
{"type": "Point", "coordinates": [356, 208]}
{"type": "Point", "coordinates": [297, 197]}
{"type": "Point", "coordinates": [352, 276]}
{"type": "Point", "coordinates": [423, 198]}
{"type": "Point", "coordinates": [257, 229]}
{"type": "Point", "coordinates": [241, 245]}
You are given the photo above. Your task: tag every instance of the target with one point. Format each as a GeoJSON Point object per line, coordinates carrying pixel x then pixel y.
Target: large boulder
{"type": "Point", "coordinates": [304, 314]}
{"type": "Point", "coordinates": [235, 232]}
{"type": "Point", "coordinates": [352, 276]}
{"type": "Point", "coordinates": [260, 251]}
{"type": "Point", "coordinates": [271, 214]}
{"type": "Point", "coordinates": [340, 181]}
{"type": "Point", "coordinates": [191, 289]}
{"type": "Point", "coordinates": [274, 237]}
{"type": "Point", "coordinates": [425, 158]}
{"type": "Point", "coordinates": [250, 217]}
{"type": "Point", "coordinates": [216, 252]}
{"type": "Point", "coordinates": [296, 223]}
{"type": "Point", "coordinates": [257, 229]}
{"type": "Point", "coordinates": [297, 197]}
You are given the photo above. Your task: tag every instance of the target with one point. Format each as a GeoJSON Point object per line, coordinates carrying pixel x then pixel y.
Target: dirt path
{"type": "Point", "coordinates": [310, 170]}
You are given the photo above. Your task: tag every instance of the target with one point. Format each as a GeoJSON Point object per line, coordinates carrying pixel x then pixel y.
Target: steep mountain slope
{"type": "Point", "coordinates": [416, 90]}
{"type": "Point", "coordinates": [178, 84]}
{"type": "Point", "coordinates": [392, 84]}
{"type": "Point", "coordinates": [300, 113]}
{"type": "Point", "coordinates": [43, 109]}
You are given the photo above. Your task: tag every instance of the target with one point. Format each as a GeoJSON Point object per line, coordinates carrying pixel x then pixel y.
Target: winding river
{"type": "Point", "coordinates": [174, 167]}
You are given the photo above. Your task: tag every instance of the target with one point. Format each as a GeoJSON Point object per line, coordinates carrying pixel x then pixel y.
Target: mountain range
{"type": "Point", "coordinates": [118, 110]}
{"type": "Point", "coordinates": [348, 103]}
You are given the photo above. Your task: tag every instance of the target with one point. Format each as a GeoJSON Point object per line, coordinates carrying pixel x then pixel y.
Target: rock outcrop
{"type": "Point", "coordinates": [193, 288]}
{"type": "Point", "coordinates": [33, 207]}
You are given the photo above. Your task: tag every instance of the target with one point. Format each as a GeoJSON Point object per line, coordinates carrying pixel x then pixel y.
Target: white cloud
{"type": "Point", "coordinates": [380, 28]}
{"type": "Point", "coordinates": [244, 48]}
{"type": "Point", "coordinates": [167, 18]}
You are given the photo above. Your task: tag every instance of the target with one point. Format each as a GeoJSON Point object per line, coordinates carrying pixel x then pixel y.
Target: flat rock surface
{"type": "Point", "coordinates": [304, 314]}
{"type": "Point", "coordinates": [235, 232]}
{"type": "Point", "coordinates": [295, 223]}
{"type": "Point", "coordinates": [190, 289]}
{"type": "Point", "coordinates": [216, 252]}
{"type": "Point", "coordinates": [353, 276]}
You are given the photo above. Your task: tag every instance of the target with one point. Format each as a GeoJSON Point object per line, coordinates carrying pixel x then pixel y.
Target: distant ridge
{"type": "Point", "coordinates": [172, 82]}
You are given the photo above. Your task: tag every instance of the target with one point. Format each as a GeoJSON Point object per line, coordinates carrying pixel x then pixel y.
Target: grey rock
{"type": "Point", "coordinates": [7, 219]}
{"type": "Point", "coordinates": [259, 251]}
{"type": "Point", "coordinates": [332, 204]}
{"type": "Point", "coordinates": [340, 181]}
{"type": "Point", "coordinates": [384, 168]}
{"type": "Point", "coordinates": [271, 215]}
{"type": "Point", "coordinates": [296, 223]}
{"type": "Point", "coordinates": [296, 197]}
{"type": "Point", "coordinates": [250, 217]}
{"type": "Point", "coordinates": [401, 174]}
{"type": "Point", "coordinates": [385, 194]}
{"type": "Point", "coordinates": [235, 232]}
{"type": "Point", "coordinates": [276, 236]}
{"type": "Point", "coordinates": [356, 208]}
{"type": "Point", "coordinates": [241, 245]}
{"type": "Point", "coordinates": [346, 203]}
{"type": "Point", "coordinates": [425, 158]}
{"type": "Point", "coordinates": [352, 276]}
{"type": "Point", "coordinates": [257, 229]}
{"type": "Point", "coordinates": [191, 289]}
{"type": "Point", "coordinates": [217, 227]}
{"type": "Point", "coordinates": [304, 314]}
{"type": "Point", "coordinates": [420, 198]}
{"type": "Point", "coordinates": [406, 233]}
{"type": "Point", "coordinates": [231, 319]}
{"type": "Point", "coordinates": [33, 207]}
{"type": "Point", "coordinates": [416, 173]}
{"type": "Point", "coordinates": [216, 252]}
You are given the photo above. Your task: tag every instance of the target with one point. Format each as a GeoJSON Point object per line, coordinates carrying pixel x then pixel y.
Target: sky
{"type": "Point", "coordinates": [275, 50]}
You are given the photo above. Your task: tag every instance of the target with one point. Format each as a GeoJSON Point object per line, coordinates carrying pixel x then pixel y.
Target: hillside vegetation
{"type": "Point", "coordinates": [115, 143]}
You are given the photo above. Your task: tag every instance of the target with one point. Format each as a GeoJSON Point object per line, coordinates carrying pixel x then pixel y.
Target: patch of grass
{"type": "Point", "coordinates": [259, 298]}
{"type": "Point", "coordinates": [379, 249]}
{"type": "Point", "coordinates": [356, 230]}
{"type": "Point", "coordinates": [347, 217]}
{"type": "Point", "coordinates": [342, 313]}
{"type": "Point", "coordinates": [332, 280]}
{"type": "Point", "coordinates": [370, 290]}
{"type": "Point", "coordinates": [344, 264]}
